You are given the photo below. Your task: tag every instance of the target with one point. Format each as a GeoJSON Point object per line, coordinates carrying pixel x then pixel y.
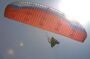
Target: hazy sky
{"type": "Point", "coordinates": [20, 41]}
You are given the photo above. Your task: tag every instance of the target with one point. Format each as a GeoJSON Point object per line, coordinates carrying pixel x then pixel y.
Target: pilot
{"type": "Point", "coordinates": [53, 42]}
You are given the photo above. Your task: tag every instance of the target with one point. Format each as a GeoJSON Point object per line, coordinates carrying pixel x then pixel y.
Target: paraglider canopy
{"type": "Point", "coordinates": [46, 18]}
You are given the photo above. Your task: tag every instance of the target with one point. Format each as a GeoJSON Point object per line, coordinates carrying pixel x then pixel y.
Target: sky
{"type": "Point", "coordinates": [20, 41]}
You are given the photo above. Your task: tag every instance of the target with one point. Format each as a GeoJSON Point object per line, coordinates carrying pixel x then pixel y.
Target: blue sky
{"type": "Point", "coordinates": [20, 41]}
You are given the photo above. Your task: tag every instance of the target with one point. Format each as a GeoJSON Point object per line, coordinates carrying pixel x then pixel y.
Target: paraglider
{"type": "Point", "coordinates": [44, 17]}
{"type": "Point", "coordinates": [53, 42]}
